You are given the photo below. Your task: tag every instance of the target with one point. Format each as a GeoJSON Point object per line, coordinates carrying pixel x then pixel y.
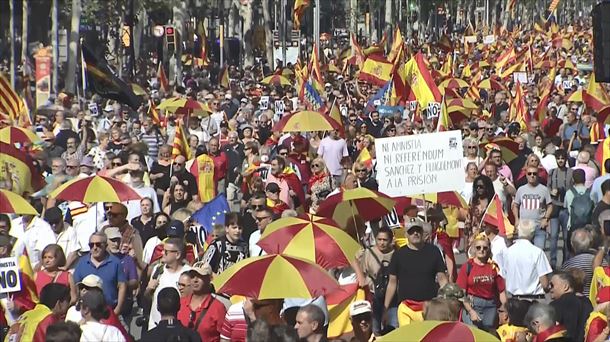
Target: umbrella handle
{"type": "Point", "coordinates": [351, 206]}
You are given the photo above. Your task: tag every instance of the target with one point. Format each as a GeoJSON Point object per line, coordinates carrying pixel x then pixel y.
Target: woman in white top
{"type": "Point", "coordinates": [93, 309]}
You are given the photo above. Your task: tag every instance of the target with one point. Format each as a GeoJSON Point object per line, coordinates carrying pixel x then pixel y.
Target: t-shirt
{"type": "Point", "coordinates": [483, 280]}
{"type": "Point", "coordinates": [599, 208]}
{"type": "Point", "coordinates": [532, 201]}
{"type": "Point", "coordinates": [416, 272]}
{"type": "Point", "coordinates": [332, 151]}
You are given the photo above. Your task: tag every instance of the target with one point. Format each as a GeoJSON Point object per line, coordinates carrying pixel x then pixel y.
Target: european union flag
{"type": "Point", "coordinates": [212, 213]}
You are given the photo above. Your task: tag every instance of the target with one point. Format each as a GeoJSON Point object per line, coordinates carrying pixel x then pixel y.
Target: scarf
{"type": "Point", "coordinates": [551, 333]}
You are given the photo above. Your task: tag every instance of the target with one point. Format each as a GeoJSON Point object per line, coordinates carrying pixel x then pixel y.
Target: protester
{"type": "Point", "coordinates": [94, 309]}
{"type": "Point", "coordinates": [169, 327]}
{"type": "Point", "coordinates": [571, 310]}
{"type": "Point", "coordinates": [541, 321]}
{"type": "Point", "coordinates": [310, 324]}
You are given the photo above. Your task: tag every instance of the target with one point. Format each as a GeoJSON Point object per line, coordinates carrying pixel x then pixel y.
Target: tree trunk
{"type": "Point", "coordinates": [353, 16]}
{"type": "Point", "coordinates": [268, 34]}
{"type": "Point", "coordinates": [24, 32]}
{"type": "Point", "coordinates": [73, 46]}
{"type": "Point", "coordinates": [389, 21]}
{"type": "Point", "coordinates": [245, 12]}
{"type": "Point", "coordinates": [180, 17]}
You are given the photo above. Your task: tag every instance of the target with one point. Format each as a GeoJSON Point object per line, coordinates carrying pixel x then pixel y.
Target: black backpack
{"type": "Point", "coordinates": [380, 282]}
{"type": "Point", "coordinates": [581, 209]}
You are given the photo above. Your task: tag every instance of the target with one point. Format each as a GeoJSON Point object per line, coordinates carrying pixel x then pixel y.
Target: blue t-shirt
{"type": "Point", "coordinates": [569, 131]}
{"type": "Point", "coordinates": [110, 271]}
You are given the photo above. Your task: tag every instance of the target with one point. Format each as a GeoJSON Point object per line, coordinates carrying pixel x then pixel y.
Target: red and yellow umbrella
{"type": "Point", "coordinates": [95, 189]}
{"type": "Point", "coordinates": [439, 331]}
{"type": "Point", "coordinates": [445, 197]}
{"type": "Point", "coordinates": [490, 83]}
{"type": "Point", "coordinates": [453, 83]}
{"type": "Point", "coordinates": [314, 238]}
{"type": "Point", "coordinates": [306, 121]}
{"type": "Point", "coordinates": [275, 276]}
{"type": "Point", "coordinates": [508, 147]}
{"type": "Point", "coordinates": [362, 202]}
{"type": "Point", "coordinates": [12, 203]}
{"type": "Point", "coordinates": [18, 135]}
{"type": "Point", "coordinates": [179, 105]}
{"type": "Point", "coordinates": [276, 80]}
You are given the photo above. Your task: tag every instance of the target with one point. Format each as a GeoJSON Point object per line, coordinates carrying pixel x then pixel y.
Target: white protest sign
{"type": "Point", "coordinates": [264, 103]}
{"type": "Point", "coordinates": [520, 76]}
{"type": "Point", "coordinates": [279, 107]}
{"type": "Point", "coordinates": [490, 39]}
{"type": "Point", "coordinates": [434, 110]}
{"type": "Point", "coordinates": [9, 275]}
{"type": "Point", "coordinates": [392, 220]}
{"type": "Point", "coordinates": [566, 84]}
{"type": "Point", "coordinates": [412, 106]}
{"type": "Point", "coordinates": [424, 163]}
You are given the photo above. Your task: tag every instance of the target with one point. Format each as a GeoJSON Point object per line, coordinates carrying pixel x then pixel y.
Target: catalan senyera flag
{"type": "Point", "coordinates": [358, 56]}
{"type": "Point", "coordinates": [314, 65]}
{"type": "Point", "coordinates": [595, 97]}
{"type": "Point", "coordinates": [203, 170]}
{"type": "Point", "coordinates": [163, 82]}
{"type": "Point", "coordinates": [365, 158]}
{"type": "Point", "coordinates": [396, 45]}
{"type": "Point", "coordinates": [181, 144]}
{"type": "Point", "coordinates": [506, 57]}
{"type": "Point", "coordinates": [518, 111]}
{"type": "Point", "coordinates": [420, 82]}
{"type": "Point", "coordinates": [223, 78]}
{"type": "Point", "coordinates": [511, 69]}
{"type": "Point", "coordinates": [25, 177]}
{"type": "Point", "coordinates": [154, 113]}
{"type": "Point", "coordinates": [338, 302]}
{"type": "Point", "coordinates": [494, 215]}
{"type": "Point", "coordinates": [545, 98]}
{"type": "Point", "coordinates": [297, 13]}
{"type": "Point", "coordinates": [376, 70]}
{"type": "Point", "coordinates": [444, 121]}
{"type": "Point", "coordinates": [553, 5]}
{"type": "Point", "coordinates": [11, 104]}
{"type": "Point", "coordinates": [203, 37]}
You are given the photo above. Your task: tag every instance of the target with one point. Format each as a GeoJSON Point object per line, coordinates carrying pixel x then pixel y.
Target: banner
{"type": "Point", "coordinates": [43, 76]}
{"type": "Point", "coordinates": [417, 164]}
{"type": "Point", "coordinates": [9, 275]}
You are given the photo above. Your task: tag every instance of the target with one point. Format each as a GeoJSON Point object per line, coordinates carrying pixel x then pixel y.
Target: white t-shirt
{"type": "Point", "coordinates": [166, 279]}
{"type": "Point", "coordinates": [522, 265]}
{"type": "Point", "coordinates": [32, 238]}
{"type": "Point", "coordinates": [255, 249]}
{"type": "Point", "coordinates": [95, 332]}
{"type": "Point", "coordinates": [332, 151]}
{"type": "Point", "coordinates": [149, 249]}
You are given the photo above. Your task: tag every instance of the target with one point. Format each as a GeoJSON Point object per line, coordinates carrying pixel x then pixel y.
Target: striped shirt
{"type": "Point", "coordinates": [153, 141]}
{"type": "Point", "coordinates": [583, 261]}
{"type": "Point", "coordinates": [234, 327]}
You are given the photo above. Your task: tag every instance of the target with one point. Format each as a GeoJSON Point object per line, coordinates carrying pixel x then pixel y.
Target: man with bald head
{"type": "Point", "coordinates": [182, 175]}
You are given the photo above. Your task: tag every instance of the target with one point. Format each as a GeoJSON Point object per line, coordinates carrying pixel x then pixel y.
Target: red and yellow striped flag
{"type": "Point", "coordinates": [595, 97]}
{"type": "Point", "coordinates": [365, 158]}
{"type": "Point", "coordinates": [299, 9]}
{"type": "Point", "coordinates": [154, 113]}
{"type": "Point", "coordinates": [314, 65]}
{"type": "Point", "coordinates": [163, 82]}
{"type": "Point", "coordinates": [518, 110]}
{"type": "Point", "coordinates": [181, 145]}
{"type": "Point", "coordinates": [511, 6]}
{"type": "Point", "coordinates": [396, 45]}
{"type": "Point", "coordinates": [494, 215]}
{"type": "Point", "coordinates": [11, 104]}
{"type": "Point", "coordinates": [553, 5]}
{"type": "Point", "coordinates": [444, 121]}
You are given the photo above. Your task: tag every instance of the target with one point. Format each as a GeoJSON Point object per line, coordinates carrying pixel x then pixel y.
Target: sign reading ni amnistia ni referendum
{"type": "Point", "coordinates": [420, 164]}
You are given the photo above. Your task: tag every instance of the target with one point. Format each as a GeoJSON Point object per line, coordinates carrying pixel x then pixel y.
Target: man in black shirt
{"type": "Point", "coordinates": [415, 270]}
{"type": "Point", "coordinates": [169, 328]}
{"type": "Point", "coordinates": [604, 204]}
{"type": "Point", "coordinates": [572, 310]}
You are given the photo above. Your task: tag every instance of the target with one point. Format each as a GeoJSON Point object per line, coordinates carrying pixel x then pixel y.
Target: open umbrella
{"type": "Point", "coordinates": [306, 121]}
{"type": "Point", "coordinates": [507, 146]}
{"type": "Point", "coordinates": [179, 105]}
{"type": "Point", "coordinates": [362, 202]}
{"type": "Point", "coordinates": [12, 203]}
{"type": "Point", "coordinates": [454, 83]}
{"type": "Point", "coordinates": [314, 238]}
{"type": "Point", "coordinates": [19, 135]}
{"type": "Point", "coordinates": [276, 80]}
{"type": "Point", "coordinates": [445, 197]}
{"type": "Point", "coordinates": [95, 189]}
{"type": "Point", "coordinates": [275, 276]}
{"type": "Point", "coordinates": [490, 83]}
{"type": "Point", "coordinates": [439, 331]}
{"type": "Point", "coordinates": [575, 96]}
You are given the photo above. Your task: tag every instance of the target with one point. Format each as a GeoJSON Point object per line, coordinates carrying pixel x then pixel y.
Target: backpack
{"type": "Point", "coordinates": [581, 209]}
{"type": "Point", "coordinates": [380, 282]}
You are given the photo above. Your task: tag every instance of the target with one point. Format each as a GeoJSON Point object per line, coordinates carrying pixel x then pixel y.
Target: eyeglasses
{"type": "Point", "coordinates": [261, 218]}
{"type": "Point", "coordinates": [167, 251]}
{"type": "Point", "coordinates": [484, 248]}
{"type": "Point", "coordinates": [215, 103]}
{"type": "Point", "coordinates": [574, 109]}
{"type": "Point", "coordinates": [116, 240]}
{"type": "Point", "coordinates": [71, 166]}
{"type": "Point", "coordinates": [96, 244]}
{"type": "Point", "coordinates": [415, 230]}
{"type": "Point", "coordinates": [532, 173]}
{"type": "Point", "coordinates": [283, 153]}
{"type": "Point", "coordinates": [178, 164]}
{"type": "Point", "coordinates": [473, 147]}
{"type": "Point", "coordinates": [257, 207]}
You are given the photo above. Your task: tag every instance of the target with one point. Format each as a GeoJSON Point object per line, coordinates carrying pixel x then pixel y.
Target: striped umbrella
{"type": "Point", "coordinates": [439, 331]}
{"type": "Point", "coordinates": [453, 83]}
{"type": "Point", "coordinates": [95, 189]}
{"type": "Point", "coordinates": [276, 80]}
{"type": "Point", "coordinates": [445, 197]}
{"type": "Point", "coordinates": [314, 238]}
{"type": "Point", "coordinates": [362, 202]}
{"type": "Point", "coordinates": [490, 83]}
{"type": "Point", "coordinates": [18, 135]}
{"type": "Point", "coordinates": [12, 203]}
{"type": "Point", "coordinates": [507, 146]}
{"type": "Point", "coordinates": [180, 105]}
{"type": "Point", "coordinates": [275, 276]}
{"type": "Point", "coordinates": [306, 121]}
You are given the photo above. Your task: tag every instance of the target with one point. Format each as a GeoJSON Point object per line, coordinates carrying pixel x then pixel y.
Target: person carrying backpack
{"type": "Point", "coordinates": [579, 204]}
{"type": "Point", "coordinates": [371, 268]}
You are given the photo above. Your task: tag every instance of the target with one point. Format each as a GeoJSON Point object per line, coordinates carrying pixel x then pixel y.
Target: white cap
{"type": "Point", "coordinates": [92, 281]}
{"type": "Point", "coordinates": [359, 307]}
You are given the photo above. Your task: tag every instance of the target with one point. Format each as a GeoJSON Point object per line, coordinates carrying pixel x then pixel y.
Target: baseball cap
{"type": "Point", "coordinates": [87, 161]}
{"type": "Point", "coordinates": [202, 268]}
{"type": "Point", "coordinates": [112, 233]}
{"type": "Point", "coordinates": [360, 307]}
{"type": "Point", "coordinates": [53, 215]}
{"type": "Point", "coordinates": [92, 281]}
{"type": "Point", "coordinates": [175, 229]}
{"type": "Point", "coordinates": [417, 222]}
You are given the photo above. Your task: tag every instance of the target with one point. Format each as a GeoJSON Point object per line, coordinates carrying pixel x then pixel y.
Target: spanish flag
{"type": "Point", "coordinates": [223, 78]}
{"type": "Point", "coordinates": [396, 45]}
{"type": "Point", "coordinates": [596, 323]}
{"type": "Point", "coordinates": [595, 97]}
{"type": "Point", "coordinates": [365, 158]}
{"type": "Point", "coordinates": [338, 302]}
{"type": "Point", "coordinates": [420, 82]}
{"type": "Point", "coordinates": [181, 144]}
{"type": "Point", "coordinates": [494, 215]}
{"type": "Point", "coordinates": [203, 170]}
{"type": "Point", "coordinates": [600, 280]}
{"type": "Point", "coordinates": [376, 70]}
{"type": "Point", "coordinates": [508, 333]}
{"type": "Point", "coordinates": [299, 8]}
{"type": "Point", "coordinates": [410, 311]}
{"type": "Point", "coordinates": [101, 80]}
{"type": "Point", "coordinates": [11, 104]}
{"type": "Point", "coordinates": [25, 177]}
{"type": "Point", "coordinates": [444, 121]}
{"type": "Point", "coordinates": [546, 96]}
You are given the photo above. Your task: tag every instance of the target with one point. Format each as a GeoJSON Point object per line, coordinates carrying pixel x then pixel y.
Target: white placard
{"type": "Point", "coordinates": [412, 106]}
{"type": "Point", "coordinates": [490, 39]}
{"type": "Point", "coordinates": [520, 76]}
{"type": "Point", "coordinates": [434, 110]}
{"type": "Point", "coordinates": [417, 164]}
{"type": "Point", "coordinates": [9, 275]}
{"type": "Point", "coordinates": [567, 84]}
{"type": "Point", "coordinates": [264, 103]}
{"type": "Point", "coordinates": [470, 39]}
{"type": "Point", "coordinates": [279, 107]}
{"type": "Point", "coordinates": [392, 220]}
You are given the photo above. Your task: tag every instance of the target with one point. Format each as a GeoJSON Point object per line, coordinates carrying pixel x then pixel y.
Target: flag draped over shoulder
{"type": "Point", "coordinates": [420, 81]}
{"type": "Point", "coordinates": [181, 146]}
{"type": "Point", "coordinates": [203, 170]}
{"type": "Point", "coordinates": [376, 70]}
{"type": "Point", "coordinates": [23, 173]}
{"type": "Point", "coordinates": [102, 81]}
{"type": "Point", "coordinates": [11, 104]}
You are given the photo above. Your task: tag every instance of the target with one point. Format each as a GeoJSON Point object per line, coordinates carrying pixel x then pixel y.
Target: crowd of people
{"type": "Point", "coordinates": [102, 268]}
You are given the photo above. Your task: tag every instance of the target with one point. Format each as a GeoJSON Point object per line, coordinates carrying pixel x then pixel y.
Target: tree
{"type": "Point", "coordinates": [268, 35]}
{"type": "Point", "coordinates": [73, 46]}
{"type": "Point", "coordinates": [245, 12]}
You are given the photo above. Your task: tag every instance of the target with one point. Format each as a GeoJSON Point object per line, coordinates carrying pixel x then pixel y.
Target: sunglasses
{"type": "Point", "coordinates": [478, 248]}
{"type": "Point", "coordinates": [116, 164]}
{"type": "Point", "coordinates": [258, 207]}
{"type": "Point", "coordinates": [315, 165]}
{"type": "Point", "coordinates": [116, 240]}
{"type": "Point", "coordinates": [96, 244]}
{"type": "Point", "coordinates": [532, 173]}
{"type": "Point", "coordinates": [179, 164]}
{"type": "Point", "coordinates": [415, 230]}
{"type": "Point", "coordinates": [361, 170]}
{"type": "Point", "coordinates": [259, 219]}
{"type": "Point", "coordinates": [283, 153]}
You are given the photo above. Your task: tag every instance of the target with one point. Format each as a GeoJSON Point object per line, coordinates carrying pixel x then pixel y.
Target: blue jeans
{"type": "Point", "coordinates": [540, 237]}
{"type": "Point", "coordinates": [487, 311]}
{"type": "Point", "coordinates": [378, 315]}
{"type": "Point", "coordinates": [559, 225]}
